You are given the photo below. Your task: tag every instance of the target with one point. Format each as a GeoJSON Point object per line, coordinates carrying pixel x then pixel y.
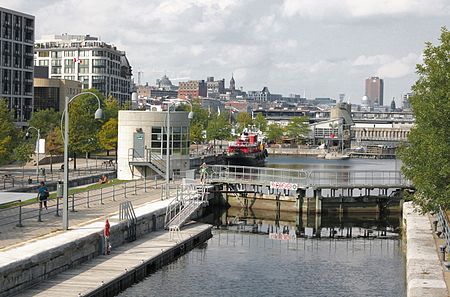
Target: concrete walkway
{"type": "Point", "coordinates": [12, 236]}
{"type": "Point", "coordinates": [111, 270]}
{"type": "Point", "coordinates": [424, 273]}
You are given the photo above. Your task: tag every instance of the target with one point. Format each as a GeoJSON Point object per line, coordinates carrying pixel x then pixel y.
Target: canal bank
{"type": "Point", "coordinates": [36, 261]}
{"type": "Point", "coordinates": [424, 273]}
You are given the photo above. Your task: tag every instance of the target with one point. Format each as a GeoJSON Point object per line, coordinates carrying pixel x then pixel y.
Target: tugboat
{"type": "Point", "coordinates": [247, 150]}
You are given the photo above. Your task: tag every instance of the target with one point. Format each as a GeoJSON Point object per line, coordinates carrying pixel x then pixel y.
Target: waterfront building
{"type": "Point", "coordinates": [374, 91]}
{"type": "Point", "coordinates": [96, 64]}
{"type": "Point", "coordinates": [192, 88]}
{"type": "Point", "coordinates": [16, 63]}
{"type": "Point", "coordinates": [263, 96]}
{"type": "Point", "coordinates": [142, 145]}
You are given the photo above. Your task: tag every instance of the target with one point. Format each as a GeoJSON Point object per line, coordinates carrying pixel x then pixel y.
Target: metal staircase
{"type": "Point", "coordinates": [155, 161]}
{"type": "Point", "coordinates": [190, 197]}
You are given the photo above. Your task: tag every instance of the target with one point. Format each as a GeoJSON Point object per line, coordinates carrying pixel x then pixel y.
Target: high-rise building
{"type": "Point", "coordinates": [87, 59]}
{"type": "Point", "coordinates": [374, 91]}
{"type": "Point", "coordinates": [16, 63]}
{"type": "Point", "coordinates": [214, 87]}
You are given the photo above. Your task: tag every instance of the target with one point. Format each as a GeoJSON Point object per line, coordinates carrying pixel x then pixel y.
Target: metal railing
{"type": "Point", "coordinates": [442, 219]}
{"type": "Point", "coordinates": [19, 214]}
{"type": "Point", "coordinates": [10, 181]}
{"type": "Point", "coordinates": [305, 178]}
{"type": "Point", "coordinates": [126, 213]}
{"type": "Point", "coordinates": [154, 159]}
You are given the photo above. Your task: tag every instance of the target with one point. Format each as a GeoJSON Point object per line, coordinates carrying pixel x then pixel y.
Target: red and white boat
{"type": "Point", "coordinates": [247, 150]}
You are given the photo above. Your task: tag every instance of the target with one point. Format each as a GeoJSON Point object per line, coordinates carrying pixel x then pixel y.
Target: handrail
{"type": "Point", "coordinates": [312, 178]}
{"type": "Point", "coordinates": [442, 217]}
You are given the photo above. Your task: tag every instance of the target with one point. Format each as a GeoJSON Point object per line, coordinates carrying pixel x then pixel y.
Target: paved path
{"type": "Point", "coordinates": [12, 236]}
{"type": "Point", "coordinates": [104, 269]}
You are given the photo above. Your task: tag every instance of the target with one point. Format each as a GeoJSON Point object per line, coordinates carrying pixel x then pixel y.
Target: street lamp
{"type": "Point", "coordinates": [98, 115]}
{"type": "Point", "coordinates": [190, 116]}
{"type": "Point", "coordinates": [38, 148]}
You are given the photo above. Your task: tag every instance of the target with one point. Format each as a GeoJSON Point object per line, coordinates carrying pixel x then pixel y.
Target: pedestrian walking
{"type": "Point", "coordinates": [43, 194]}
{"type": "Point", "coordinates": [203, 171]}
{"type": "Point", "coordinates": [106, 234]}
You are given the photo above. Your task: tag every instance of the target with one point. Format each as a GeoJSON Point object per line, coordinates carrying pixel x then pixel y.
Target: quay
{"type": "Point", "coordinates": [108, 275]}
{"type": "Point", "coordinates": [31, 260]}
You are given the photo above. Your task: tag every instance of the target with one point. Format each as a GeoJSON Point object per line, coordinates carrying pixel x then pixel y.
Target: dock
{"type": "Point", "coordinates": [108, 275]}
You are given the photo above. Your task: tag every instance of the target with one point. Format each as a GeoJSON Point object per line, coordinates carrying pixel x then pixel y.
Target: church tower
{"type": "Point", "coordinates": [232, 83]}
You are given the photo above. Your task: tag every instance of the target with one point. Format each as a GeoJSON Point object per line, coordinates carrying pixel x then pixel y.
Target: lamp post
{"type": "Point", "coordinates": [38, 148]}
{"type": "Point", "coordinates": [98, 115]}
{"type": "Point", "coordinates": [190, 116]}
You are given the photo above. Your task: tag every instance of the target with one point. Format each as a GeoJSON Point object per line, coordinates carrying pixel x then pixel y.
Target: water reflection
{"type": "Point", "coordinates": [296, 225]}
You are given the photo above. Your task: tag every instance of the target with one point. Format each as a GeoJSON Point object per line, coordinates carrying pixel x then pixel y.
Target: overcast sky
{"type": "Point", "coordinates": [321, 47]}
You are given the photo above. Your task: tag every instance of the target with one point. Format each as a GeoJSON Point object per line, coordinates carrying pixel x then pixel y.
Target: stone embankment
{"type": "Point", "coordinates": [424, 273]}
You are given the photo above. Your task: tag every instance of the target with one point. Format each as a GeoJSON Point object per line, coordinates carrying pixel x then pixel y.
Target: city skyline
{"type": "Point", "coordinates": [289, 46]}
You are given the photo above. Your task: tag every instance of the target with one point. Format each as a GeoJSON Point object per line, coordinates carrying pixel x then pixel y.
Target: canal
{"type": "Point", "coordinates": [262, 253]}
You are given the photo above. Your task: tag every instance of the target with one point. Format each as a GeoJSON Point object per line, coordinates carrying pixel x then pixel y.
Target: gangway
{"type": "Point", "coordinates": [190, 197]}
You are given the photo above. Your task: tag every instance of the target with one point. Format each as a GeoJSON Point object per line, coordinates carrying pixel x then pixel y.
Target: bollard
{"type": "Point", "coordinates": [101, 196]}
{"type": "Point", "coordinates": [40, 212]}
{"type": "Point", "coordinates": [19, 224]}
{"type": "Point", "coordinates": [442, 252]}
{"type": "Point", "coordinates": [87, 199]}
{"type": "Point", "coordinates": [57, 206]}
{"type": "Point", "coordinates": [435, 223]}
{"type": "Point", "coordinates": [73, 203]}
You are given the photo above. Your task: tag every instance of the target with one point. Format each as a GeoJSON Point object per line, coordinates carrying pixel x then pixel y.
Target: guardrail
{"type": "Point", "coordinates": [17, 215]}
{"type": "Point", "coordinates": [10, 181]}
{"type": "Point", "coordinates": [442, 218]}
{"type": "Point", "coordinates": [313, 178]}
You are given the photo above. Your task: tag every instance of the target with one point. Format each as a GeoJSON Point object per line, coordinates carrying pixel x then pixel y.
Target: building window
{"type": "Point", "coordinates": [43, 54]}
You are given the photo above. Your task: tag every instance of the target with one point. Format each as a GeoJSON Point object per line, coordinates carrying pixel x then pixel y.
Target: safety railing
{"type": "Point", "coordinates": [443, 222]}
{"type": "Point", "coordinates": [18, 214]}
{"type": "Point", "coordinates": [9, 181]}
{"type": "Point", "coordinates": [156, 160]}
{"type": "Point", "coordinates": [126, 213]}
{"type": "Point", "coordinates": [305, 178]}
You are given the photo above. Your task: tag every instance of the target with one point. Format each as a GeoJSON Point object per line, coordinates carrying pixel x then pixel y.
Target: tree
{"type": "Point", "coordinates": [55, 144]}
{"type": "Point", "coordinates": [83, 127]}
{"type": "Point", "coordinates": [218, 127]}
{"type": "Point", "coordinates": [22, 154]}
{"type": "Point", "coordinates": [111, 108]}
{"type": "Point", "coordinates": [274, 133]}
{"type": "Point", "coordinates": [244, 119]}
{"type": "Point", "coordinates": [45, 120]}
{"type": "Point", "coordinates": [8, 133]}
{"type": "Point", "coordinates": [107, 136]}
{"type": "Point", "coordinates": [260, 122]}
{"type": "Point", "coordinates": [426, 159]}
{"type": "Point", "coordinates": [297, 128]}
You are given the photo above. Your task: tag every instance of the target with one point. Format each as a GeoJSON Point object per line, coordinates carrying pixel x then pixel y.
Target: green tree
{"type": "Point", "coordinates": [107, 135]}
{"type": "Point", "coordinates": [426, 159]}
{"type": "Point", "coordinates": [45, 120]}
{"type": "Point", "coordinates": [298, 128]}
{"type": "Point", "coordinates": [260, 122]}
{"type": "Point", "coordinates": [274, 133]}
{"type": "Point", "coordinates": [8, 133]}
{"type": "Point", "coordinates": [111, 108]}
{"type": "Point", "coordinates": [201, 115]}
{"type": "Point", "coordinates": [218, 127]}
{"type": "Point", "coordinates": [22, 153]}
{"type": "Point", "coordinates": [82, 125]}
{"type": "Point", "coordinates": [244, 119]}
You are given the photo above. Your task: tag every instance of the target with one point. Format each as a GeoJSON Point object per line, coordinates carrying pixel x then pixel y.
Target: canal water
{"type": "Point", "coordinates": [261, 253]}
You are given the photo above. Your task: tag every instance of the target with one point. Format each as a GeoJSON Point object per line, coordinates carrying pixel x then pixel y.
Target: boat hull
{"type": "Point", "coordinates": [246, 160]}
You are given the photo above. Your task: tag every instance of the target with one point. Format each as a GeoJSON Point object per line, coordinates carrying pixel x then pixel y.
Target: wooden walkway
{"type": "Point", "coordinates": [125, 265]}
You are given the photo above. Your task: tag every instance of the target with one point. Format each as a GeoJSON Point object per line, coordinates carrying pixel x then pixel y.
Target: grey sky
{"type": "Point", "coordinates": [323, 47]}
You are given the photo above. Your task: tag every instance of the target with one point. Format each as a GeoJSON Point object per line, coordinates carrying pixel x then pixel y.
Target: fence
{"type": "Point", "coordinates": [17, 215]}
{"type": "Point", "coordinates": [442, 218]}
{"type": "Point", "coordinates": [9, 181]}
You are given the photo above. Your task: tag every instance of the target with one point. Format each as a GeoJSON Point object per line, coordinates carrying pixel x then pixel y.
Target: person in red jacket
{"type": "Point", "coordinates": [106, 234]}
